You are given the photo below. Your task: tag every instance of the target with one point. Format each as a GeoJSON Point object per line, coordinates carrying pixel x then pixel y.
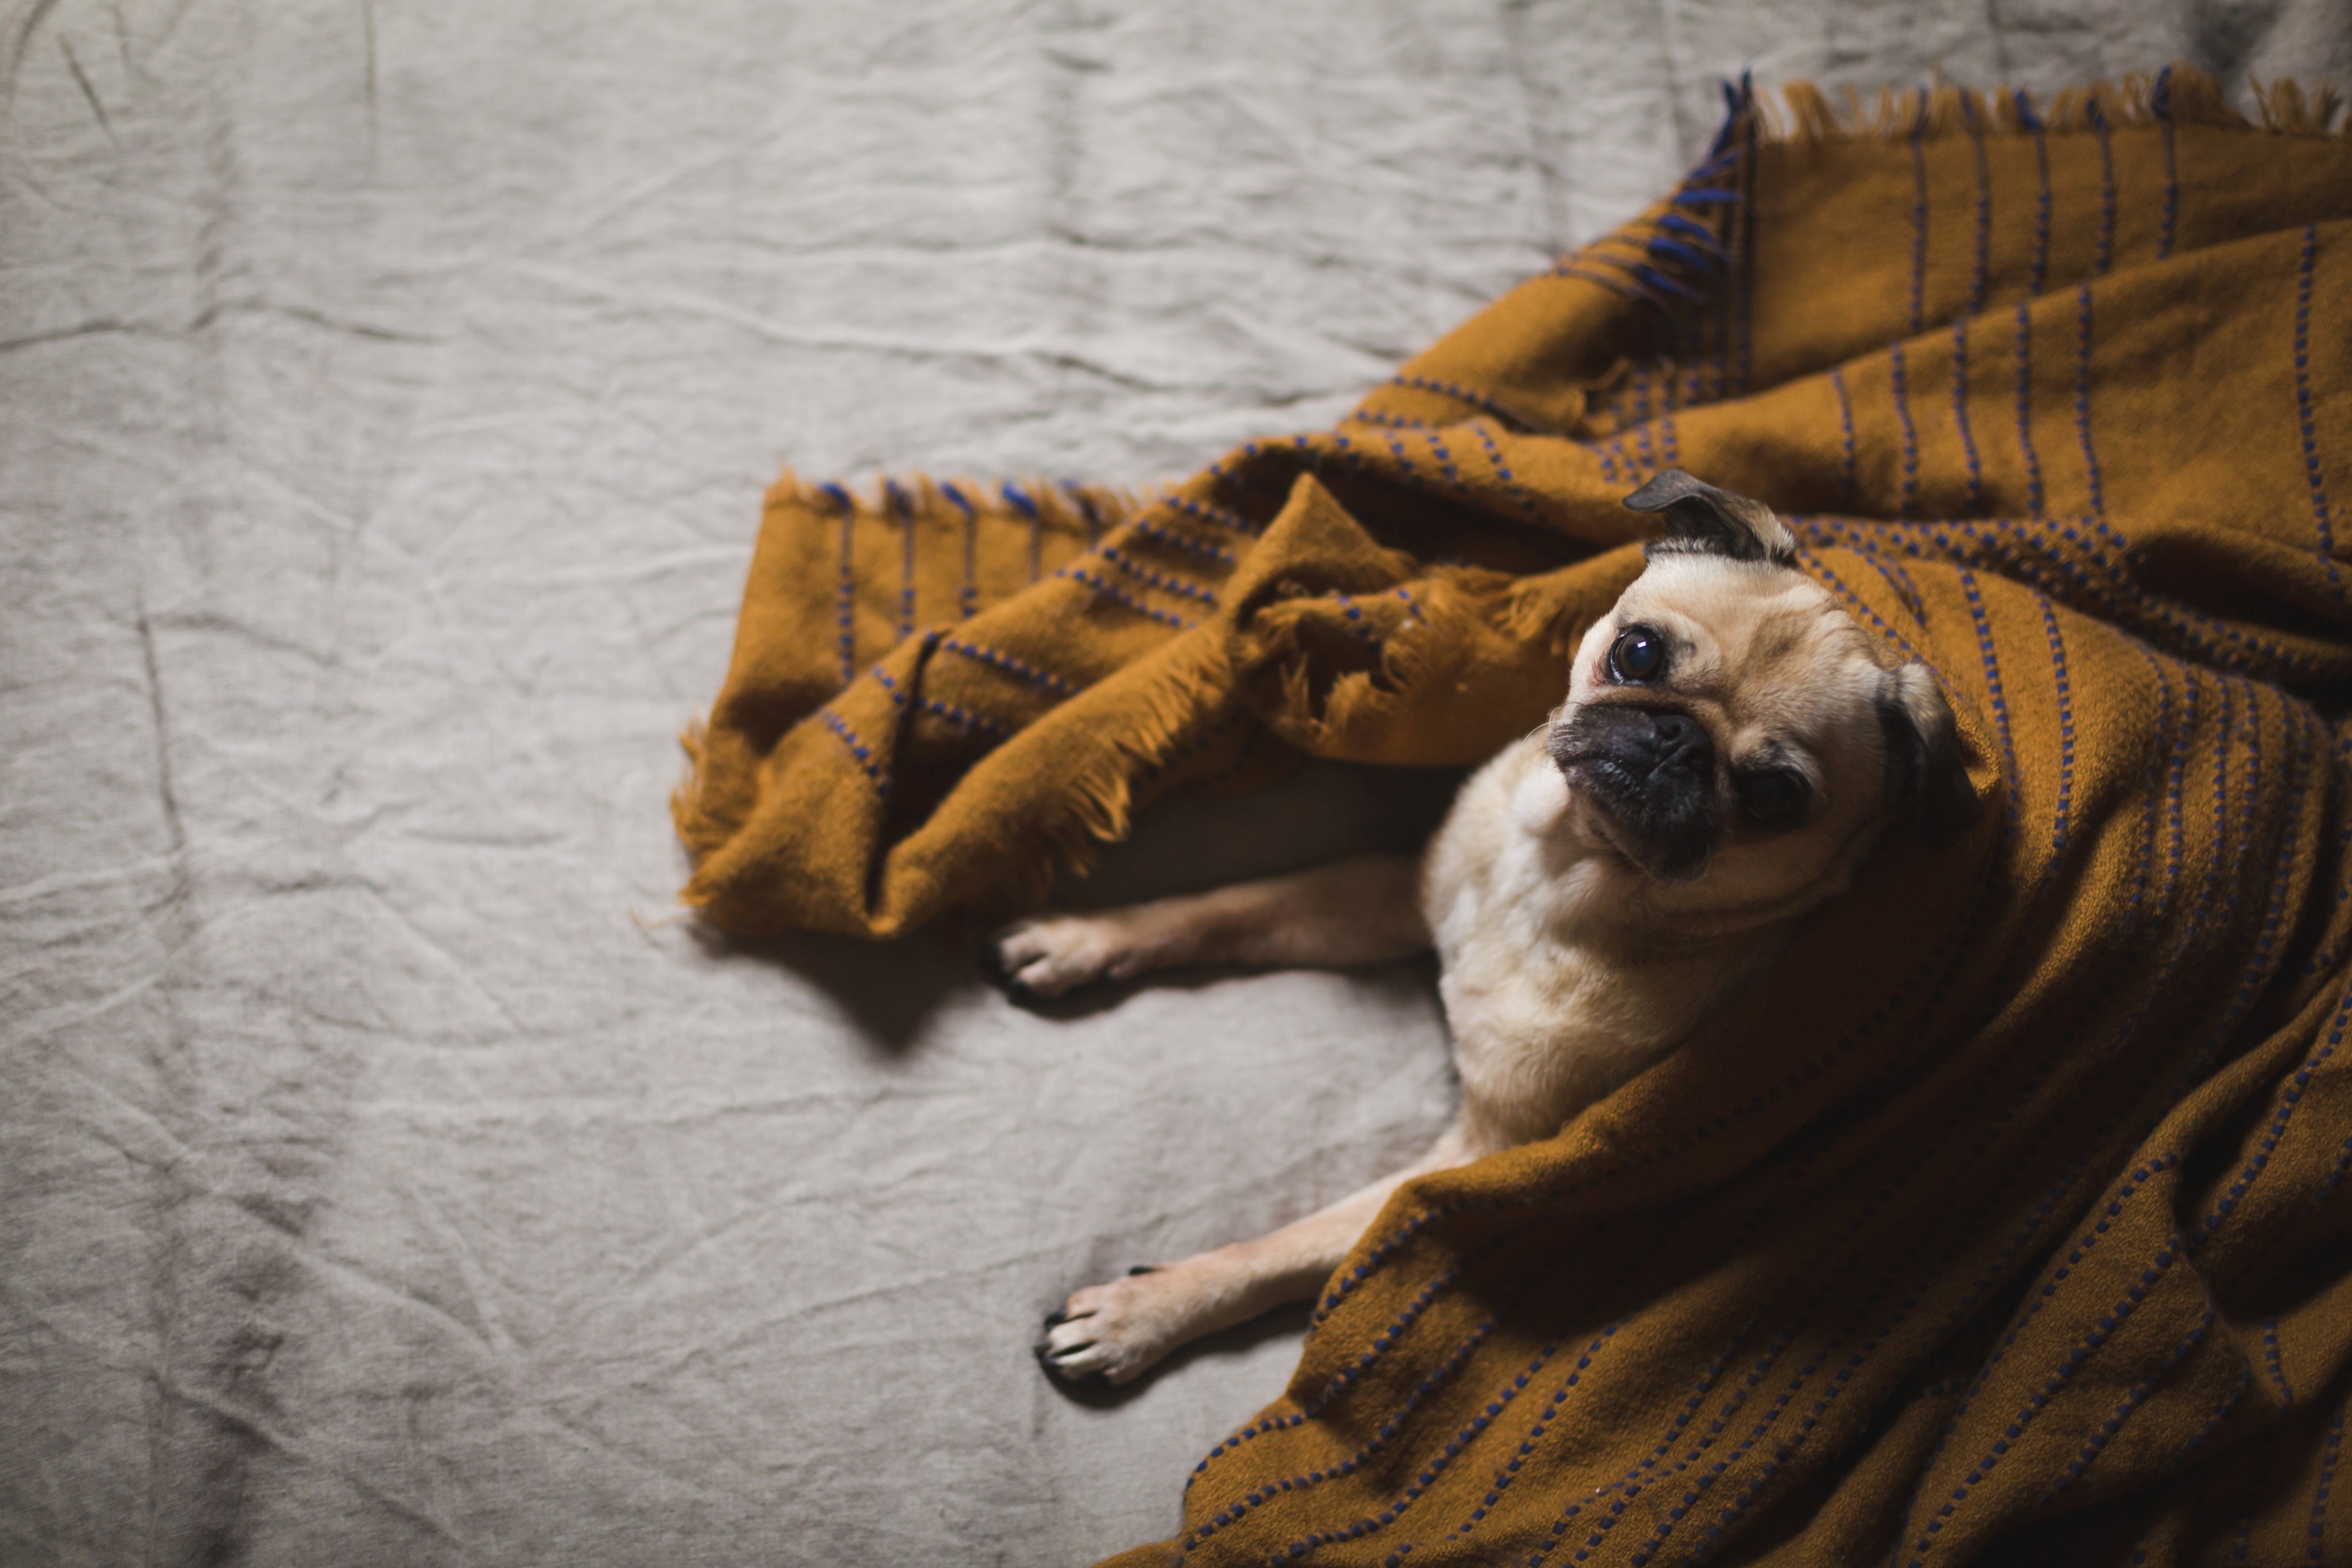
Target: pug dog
{"type": "Point", "coordinates": [1733, 746]}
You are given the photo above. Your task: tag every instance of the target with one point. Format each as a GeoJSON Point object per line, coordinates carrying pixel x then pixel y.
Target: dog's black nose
{"type": "Point", "coordinates": [1678, 744]}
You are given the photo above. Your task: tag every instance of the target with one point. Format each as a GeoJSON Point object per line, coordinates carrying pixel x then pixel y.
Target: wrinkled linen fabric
{"type": "Point", "coordinates": [389, 391]}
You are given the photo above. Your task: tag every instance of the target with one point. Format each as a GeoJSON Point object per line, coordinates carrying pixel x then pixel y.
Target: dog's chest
{"type": "Point", "coordinates": [1542, 1023]}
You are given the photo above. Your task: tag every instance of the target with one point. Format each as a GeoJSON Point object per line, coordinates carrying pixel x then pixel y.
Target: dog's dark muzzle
{"type": "Point", "coordinates": [1652, 771]}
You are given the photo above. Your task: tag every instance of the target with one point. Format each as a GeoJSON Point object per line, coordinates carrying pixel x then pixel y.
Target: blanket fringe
{"type": "Point", "coordinates": [2179, 94]}
{"type": "Point", "coordinates": [1084, 511]}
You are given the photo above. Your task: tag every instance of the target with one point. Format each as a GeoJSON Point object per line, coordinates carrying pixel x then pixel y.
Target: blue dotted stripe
{"type": "Point", "coordinates": [846, 612]}
{"type": "Point", "coordinates": [1747, 219]}
{"type": "Point", "coordinates": [1089, 513]}
{"type": "Point", "coordinates": [1508, 1472]}
{"type": "Point", "coordinates": [2107, 247]}
{"type": "Point", "coordinates": [2062, 821]}
{"type": "Point", "coordinates": [1898, 381]}
{"type": "Point", "coordinates": [1438, 454]}
{"type": "Point", "coordinates": [1604, 1522]}
{"type": "Point", "coordinates": [1428, 1475]}
{"type": "Point", "coordinates": [2271, 1362]}
{"type": "Point", "coordinates": [2314, 1532]}
{"type": "Point", "coordinates": [2025, 409]}
{"type": "Point", "coordinates": [2134, 907]}
{"type": "Point", "coordinates": [2327, 1189]}
{"type": "Point", "coordinates": [1845, 430]}
{"type": "Point", "coordinates": [1696, 1488]}
{"type": "Point", "coordinates": [2282, 1118]}
{"type": "Point", "coordinates": [1236, 1512]}
{"type": "Point", "coordinates": [1642, 416]}
{"type": "Point", "coordinates": [1467, 396]}
{"type": "Point", "coordinates": [2071, 1363]}
{"type": "Point", "coordinates": [902, 504]}
{"type": "Point", "coordinates": [1243, 477]}
{"type": "Point", "coordinates": [1009, 665]}
{"type": "Point", "coordinates": [2196, 629]}
{"type": "Point", "coordinates": [1527, 1281]}
{"type": "Point", "coordinates": [1356, 622]}
{"type": "Point", "coordinates": [2221, 1413]}
{"type": "Point", "coordinates": [1388, 1337]}
{"type": "Point", "coordinates": [2177, 788]}
{"type": "Point", "coordinates": [2160, 100]}
{"type": "Point", "coordinates": [1961, 412]}
{"type": "Point", "coordinates": [1159, 580]}
{"type": "Point", "coordinates": [1906, 593]}
{"type": "Point", "coordinates": [2134, 1400]}
{"type": "Point", "coordinates": [2001, 544]}
{"type": "Point", "coordinates": [1390, 421]}
{"type": "Point", "coordinates": [1122, 597]}
{"type": "Point", "coordinates": [2082, 396]}
{"type": "Point", "coordinates": [2040, 272]}
{"type": "Point", "coordinates": [1714, 1533]}
{"type": "Point", "coordinates": [1511, 486]}
{"type": "Point", "coordinates": [1205, 512]}
{"type": "Point", "coordinates": [1027, 505]}
{"type": "Point", "coordinates": [858, 749]}
{"type": "Point", "coordinates": [1793, 1176]}
{"type": "Point", "coordinates": [2321, 524]}
{"type": "Point", "coordinates": [1195, 746]}
{"type": "Point", "coordinates": [968, 595]}
{"type": "Point", "coordinates": [1147, 528]}
{"type": "Point", "coordinates": [948, 710]}
{"type": "Point", "coordinates": [1400, 471]}
{"type": "Point", "coordinates": [1998, 697]}
{"type": "Point", "coordinates": [1919, 229]}
{"type": "Point", "coordinates": [1980, 274]}
{"type": "Point", "coordinates": [1647, 1472]}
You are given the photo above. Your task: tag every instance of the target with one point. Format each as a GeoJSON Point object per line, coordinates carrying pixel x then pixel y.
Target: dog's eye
{"type": "Point", "coordinates": [1771, 799]}
{"type": "Point", "coordinates": [1638, 654]}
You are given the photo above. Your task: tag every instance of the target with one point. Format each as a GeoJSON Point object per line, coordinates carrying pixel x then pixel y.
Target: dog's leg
{"type": "Point", "coordinates": [1357, 911]}
{"type": "Point", "coordinates": [1117, 1330]}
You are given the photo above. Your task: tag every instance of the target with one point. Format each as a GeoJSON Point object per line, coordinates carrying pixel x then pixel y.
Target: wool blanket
{"type": "Point", "coordinates": [2006, 1218]}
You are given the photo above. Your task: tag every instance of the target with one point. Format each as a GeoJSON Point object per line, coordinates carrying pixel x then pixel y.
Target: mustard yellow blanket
{"type": "Point", "coordinates": [2008, 1220]}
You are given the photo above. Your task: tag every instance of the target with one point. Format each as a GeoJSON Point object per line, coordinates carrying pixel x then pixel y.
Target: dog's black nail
{"type": "Point", "coordinates": [1056, 1318]}
{"type": "Point", "coordinates": [1143, 1269]}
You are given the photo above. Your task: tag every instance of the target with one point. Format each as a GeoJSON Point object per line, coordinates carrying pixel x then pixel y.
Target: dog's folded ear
{"type": "Point", "coordinates": [1926, 776]}
{"type": "Point", "coordinates": [1698, 517]}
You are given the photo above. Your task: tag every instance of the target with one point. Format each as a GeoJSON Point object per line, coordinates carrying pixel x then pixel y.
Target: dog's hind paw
{"type": "Point", "coordinates": [1052, 954]}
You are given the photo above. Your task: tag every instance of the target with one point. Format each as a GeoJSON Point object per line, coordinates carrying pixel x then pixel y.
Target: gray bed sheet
{"type": "Point", "coordinates": [386, 392]}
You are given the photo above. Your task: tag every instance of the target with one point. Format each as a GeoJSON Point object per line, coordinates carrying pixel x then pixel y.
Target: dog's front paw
{"type": "Point", "coordinates": [1052, 954]}
{"type": "Point", "coordinates": [1114, 1332]}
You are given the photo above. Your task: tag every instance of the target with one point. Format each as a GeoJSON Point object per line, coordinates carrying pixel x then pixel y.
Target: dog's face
{"type": "Point", "coordinates": [1731, 733]}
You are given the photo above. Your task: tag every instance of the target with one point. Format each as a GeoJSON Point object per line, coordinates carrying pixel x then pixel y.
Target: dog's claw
{"type": "Point", "coordinates": [1143, 1269]}
{"type": "Point", "coordinates": [990, 957]}
{"type": "Point", "coordinates": [1057, 1318]}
